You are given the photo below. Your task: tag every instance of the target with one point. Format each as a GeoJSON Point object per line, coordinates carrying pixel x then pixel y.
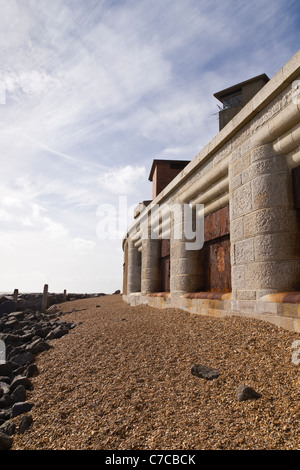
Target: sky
{"type": "Point", "coordinates": [91, 91]}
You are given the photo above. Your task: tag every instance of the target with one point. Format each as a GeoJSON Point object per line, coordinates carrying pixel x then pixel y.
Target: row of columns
{"type": "Point", "coordinates": [264, 236]}
{"type": "Point", "coordinates": [144, 271]}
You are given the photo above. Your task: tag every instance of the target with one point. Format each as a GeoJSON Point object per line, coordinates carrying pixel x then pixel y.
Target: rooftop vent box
{"type": "Point", "coordinates": [163, 172]}
{"type": "Point", "coordinates": [234, 98]}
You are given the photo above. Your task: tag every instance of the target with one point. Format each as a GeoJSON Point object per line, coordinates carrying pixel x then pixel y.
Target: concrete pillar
{"type": "Point", "coordinates": [264, 227]}
{"type": "Point", "coordinates": [151, 266]}
{"type": "Point", "coordinates": [187, 266]}
{"type": "Point", "coordinates": [133, 268]}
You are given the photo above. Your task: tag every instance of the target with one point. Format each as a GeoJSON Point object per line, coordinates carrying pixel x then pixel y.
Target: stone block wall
{"type": "Point", "coordinates": [248, 167]}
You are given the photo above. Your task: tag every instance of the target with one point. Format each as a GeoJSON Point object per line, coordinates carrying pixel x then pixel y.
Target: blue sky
{"type": "Point", "coordinates": [91, 92]}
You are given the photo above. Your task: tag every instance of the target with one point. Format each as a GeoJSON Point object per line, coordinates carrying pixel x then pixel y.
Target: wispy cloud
{"type": "Point", "coordinates": [94, 90]}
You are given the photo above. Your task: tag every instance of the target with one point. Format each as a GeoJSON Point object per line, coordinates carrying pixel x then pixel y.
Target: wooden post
{"type": "Point", "coordinates": [45, 297]}
{"type": "Point", "coordinates": [15, 296]}
{"type": "Point", "coordinates": [65, 296]}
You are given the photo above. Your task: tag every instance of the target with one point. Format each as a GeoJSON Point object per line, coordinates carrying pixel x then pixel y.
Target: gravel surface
{"type": "Point", "coordinates": [121, 380]}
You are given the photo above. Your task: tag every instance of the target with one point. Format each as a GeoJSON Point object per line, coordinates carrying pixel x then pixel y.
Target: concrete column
{"type": "Point", "coordinates": [186, 270]}
{"type": "Point", "coordinates": [133, 268]}
{"type": "Point", "coordinates": [264, 227]}
{"type": "Point", "coordinates": [151, 266]}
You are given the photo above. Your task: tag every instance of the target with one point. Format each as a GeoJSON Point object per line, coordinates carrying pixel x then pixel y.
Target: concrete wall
{"type": "Point", "coordinates": [248, 165]}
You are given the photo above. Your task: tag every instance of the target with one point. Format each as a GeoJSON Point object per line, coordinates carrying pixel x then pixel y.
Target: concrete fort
{"type": "Point", "coordinates": [247, 179]}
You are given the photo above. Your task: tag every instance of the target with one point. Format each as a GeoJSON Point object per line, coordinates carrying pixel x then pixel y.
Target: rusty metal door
{"type": "Point", "coordinates": [218, 265]}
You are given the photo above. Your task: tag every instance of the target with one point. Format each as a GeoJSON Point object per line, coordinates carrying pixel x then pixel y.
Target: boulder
{"type": "Point", "coordinates": [244, 392]}
{"type": "Point", "coordinates": [23, 359]}
{"type": "Point", "coordinates": [204, 372]}
{"type": "Point", "coordinates": [20, 380]}
{"type": "Point", "coordinates": [19, 394]}
{"type": "Point", "coordinates": [8, 428]}
{"type": "Point", "coordinates": [21, 408]}
{"type": "Point", "coordinates": [25, 423]}
{"type": "Point", "coordinates": [5, 441]}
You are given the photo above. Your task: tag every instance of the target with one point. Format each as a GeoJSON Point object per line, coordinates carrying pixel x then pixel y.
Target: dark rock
{"type": "Point", "coordinates": [38, 346]}
{"type": "Point", "coordinates": [20, 380]}
{"type": "Point", "coordinates": [21, 408]}
{"type": "Point", "coordinates": [32, 371]}
{"type": "Point", "coordinates": [25, 423]}
{"type": "Point", "coordinates": [4, 414]}
{"type": "Point", "coordinates": [11, 322]}
{"type": "Point", "coordinates": [58, 332]}
{"type": "Point", "coordinates": [5, 441]}
{"type": "Point", "coordinates": [12, 339]}
{"type": "Point", "coordinates": [14, 351]}
{"type": "Point", "coordinates": [4, 387]}
{"type": "Point", "coordinates": [8, 428]}
{"type": "Point", "coordinates": [19, 394]}
{"type": "Point", "coordinates": [16, 315]}
{"type": "Point", "coordinates": [5, 401]}
{"type": "Point", "coordinates": [204, 372]}
{"type": "Point", "coordinates": [6, 369]}
{"type": "Point", "coordinates": [5, 379]}
{"type": "Point", "coordinates": [5, 298]}
{"type": "Point", "coordinates": [44, 331]}
{"type": "Point", "coordinates": [244, 392]}
{"type": "Point", "coordinates": [7, 307]}
{"type": "Point", "coordinates": [23, 359]}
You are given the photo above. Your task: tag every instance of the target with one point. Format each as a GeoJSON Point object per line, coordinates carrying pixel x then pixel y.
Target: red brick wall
{"type": "Point", "coordinates": [163, 175]}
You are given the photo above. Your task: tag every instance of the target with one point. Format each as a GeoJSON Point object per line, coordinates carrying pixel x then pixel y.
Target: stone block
{"type": "Point", "coordinates": [281, 275]}
{"type": "Point", "coordinates": [237, 229]}
{"type": "Point", "coordinates": [238, 277]}
{"type": "Point", "coordinates": [262, 152]}
{"type": "Point", "coordinates": [277, 246]}
{"type": "Point", "coordinates": [262, 292]}
{"type": "Point", "coordinates": [236, 154]}
{"type": "Point", "coordinates": [185, 283]}
{"type": "Point", "coordinates": [246, 295]}
{"type": "Point", "coordinates": [290, 310]}
{"type": "Point", "coordinates": [269, 165]}
{"type": "Point", "coordinates": [235, 182]}
{"type": "Point", "coordinates": [263, 193]}
{"type": "Point", "coordinates": [242, 201]}
{"type": "Point", "coordinates": [244, 251]}
{"type": "Point", "coordinates": [240, 165]}
{"type": "Point", "coordinates": [269, 220]}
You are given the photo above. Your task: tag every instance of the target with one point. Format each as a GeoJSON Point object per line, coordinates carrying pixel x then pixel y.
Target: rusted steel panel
{"type": "Point", "coordinates": [217, 265]}
{"type": "Point", "coordinates": [207, 295]}
{"type": "Point", "coordinates": [166, 274]}
{"type": "Point", "coordinates": [292, 298]}
{"type": "Point", "coordinates": [217, 224]}
{"type": "Point", "coordinates": [165, 248]}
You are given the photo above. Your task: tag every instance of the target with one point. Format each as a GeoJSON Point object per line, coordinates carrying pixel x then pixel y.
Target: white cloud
{"type": "Point", "coordinates": [94, 90]}
{"type": "Point", "coordinates": [123, 180]}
